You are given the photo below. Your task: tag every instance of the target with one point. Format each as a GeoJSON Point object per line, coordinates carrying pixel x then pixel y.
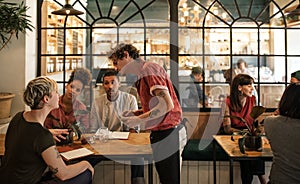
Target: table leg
{"type": "Point", "coordinates": [150, 172]}
{"type": "Point", "coordinates": [231, 171]}
{"type": "Point", "coordinates": [214, 162]}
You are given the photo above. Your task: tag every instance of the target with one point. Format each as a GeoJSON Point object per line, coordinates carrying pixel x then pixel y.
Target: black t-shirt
{"type": "Point", "coordinates": [24, 143]}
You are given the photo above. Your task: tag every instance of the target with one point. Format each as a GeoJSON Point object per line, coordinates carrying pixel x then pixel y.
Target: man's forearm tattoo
{"type": "Point", "coordinates": [57, 153]}
{"type": "Point", "coordinates": [154, 113]}
{"type": "Point", "coordinates": [161, 94]}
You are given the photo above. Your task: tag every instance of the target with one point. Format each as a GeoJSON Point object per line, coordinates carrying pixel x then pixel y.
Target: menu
{"type": "Point", "coordinates": [118, 135]}
{"type": "Point", "coordinates": [76, 153]}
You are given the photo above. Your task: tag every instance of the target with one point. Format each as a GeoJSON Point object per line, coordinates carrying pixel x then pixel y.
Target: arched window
{"type": "Point", "coordinates": [211, 34]}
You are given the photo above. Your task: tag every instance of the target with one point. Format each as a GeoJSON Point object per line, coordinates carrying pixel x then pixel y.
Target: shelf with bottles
{"type": "Point", "coordinates": [53, 42]}
{"type": "Point", "coordinates": [244, 41]}
{"type": "Point", "coordinates": [55, 64]}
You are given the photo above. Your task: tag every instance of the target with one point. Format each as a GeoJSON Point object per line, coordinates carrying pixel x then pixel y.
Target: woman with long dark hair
{"type": "Point", "coordinates": [240, 103]}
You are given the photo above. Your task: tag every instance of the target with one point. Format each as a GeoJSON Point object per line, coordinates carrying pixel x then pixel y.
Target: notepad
{"type": "Point", "coordinates": [77, 153]}
{"type": "Point", "coordinates": [118, 135]}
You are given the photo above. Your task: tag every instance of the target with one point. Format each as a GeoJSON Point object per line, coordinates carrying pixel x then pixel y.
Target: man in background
{"type": "Point", "coordinates": [295, 77]}
{"type": "Point", "coordinates": [195, 91]}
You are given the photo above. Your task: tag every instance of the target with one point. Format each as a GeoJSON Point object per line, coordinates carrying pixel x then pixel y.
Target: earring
{"type": "Point", "coordinates": [240, 93]}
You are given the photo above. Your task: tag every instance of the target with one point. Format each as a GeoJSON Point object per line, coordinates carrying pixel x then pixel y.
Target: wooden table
{"type": "Point", "coordinates": [137, 145]}
{"type": "Point", "coordinates": [230, 146]}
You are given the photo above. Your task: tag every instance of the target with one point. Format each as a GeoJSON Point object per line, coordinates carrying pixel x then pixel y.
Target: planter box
{"type": "Point", "coordinates": [5, 104]}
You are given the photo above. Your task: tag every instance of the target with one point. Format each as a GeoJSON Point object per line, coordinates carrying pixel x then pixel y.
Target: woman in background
{"type": "Point", "coordinates": [29, 147]}
{"type": "Point", "coordinates": [240, 103]}
{"type": "Point", "coordinates": [282, 132]}
{"type": "Point", "coordinates": [66, 115]}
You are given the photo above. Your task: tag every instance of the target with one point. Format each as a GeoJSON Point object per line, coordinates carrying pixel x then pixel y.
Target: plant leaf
{"type": "Point", "coordinates": [257, 111]}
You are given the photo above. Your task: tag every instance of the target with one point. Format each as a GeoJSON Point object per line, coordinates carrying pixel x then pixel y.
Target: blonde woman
{"type": "Point", "coordinates": [30, 151]}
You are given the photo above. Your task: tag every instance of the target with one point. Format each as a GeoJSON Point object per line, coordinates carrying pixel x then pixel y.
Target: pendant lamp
{"type": "Point", "coordinates": [67, 9]}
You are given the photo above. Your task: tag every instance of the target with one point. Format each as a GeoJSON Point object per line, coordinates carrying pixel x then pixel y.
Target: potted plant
{"type": "Point", "coordinates": [13, 20]}
{"type": "Point", "coordinates": [252, 136]}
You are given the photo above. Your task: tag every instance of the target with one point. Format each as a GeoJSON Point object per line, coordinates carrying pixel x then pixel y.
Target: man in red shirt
{"type": "Point", "coordinates": [161, 112]}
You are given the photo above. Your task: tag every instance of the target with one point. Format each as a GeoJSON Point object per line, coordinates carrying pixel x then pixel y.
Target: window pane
{"type": "Point", "coordinates": [293, 65]}
{"type": "Point", "coordinates": [293, 39]}
{"type": "Point", "coordinates": [158, 41]}
{"type": "Point", "coordinates": [190, 41]}
{"type": "Point", "coordinates": [270, 94]}
{"type": "Point", "coordinates": [278, 41]}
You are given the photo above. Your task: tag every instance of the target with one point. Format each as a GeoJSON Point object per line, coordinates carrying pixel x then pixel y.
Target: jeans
{"type": "Point", "coordinates": [167, 146]}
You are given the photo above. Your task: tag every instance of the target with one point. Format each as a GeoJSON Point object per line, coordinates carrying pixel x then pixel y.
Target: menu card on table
{"type": "Point", "coordinates": [118, 135]}
{"type": "Point", "coordinates": [73, 152]}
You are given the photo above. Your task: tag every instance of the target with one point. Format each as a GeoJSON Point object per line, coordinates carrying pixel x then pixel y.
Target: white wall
{"type": "Point", "coordinates": [16, 68]}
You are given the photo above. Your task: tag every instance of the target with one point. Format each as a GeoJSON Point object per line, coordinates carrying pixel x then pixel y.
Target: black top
{"type": "Point", "coordinates": [24, 143]}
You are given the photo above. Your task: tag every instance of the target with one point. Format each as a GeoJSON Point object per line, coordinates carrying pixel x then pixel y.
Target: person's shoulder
{"type": "Point", "coordinates": [126, 95]}
{"type": "Point", "coordinates": [18, 115]}
{"type": "Point", "coordinates": [101, 97]}
{"type": "Point", "coordinates": [273, 119]}
{"type": "Point", "coordinates": [152, 68]}
{"type": "Point", "coordinates": [17, 118]}
{"type": "Point", "coordinates": [79, 105]}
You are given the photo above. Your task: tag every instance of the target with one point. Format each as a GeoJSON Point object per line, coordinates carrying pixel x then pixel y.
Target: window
{"type": "Point", "coordinates": [213, 35]}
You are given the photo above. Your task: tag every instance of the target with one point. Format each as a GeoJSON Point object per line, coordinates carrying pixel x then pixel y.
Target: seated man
{"type": "Point", "coordinates": [195, 90]}
{"type": "Point", "coordinates": [295, 77]}
{"type": "Point", "coordinates": [106, 111]}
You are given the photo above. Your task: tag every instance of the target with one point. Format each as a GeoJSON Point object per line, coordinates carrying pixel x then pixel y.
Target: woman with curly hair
{"type": "Point", "coordinates": [66, 115]}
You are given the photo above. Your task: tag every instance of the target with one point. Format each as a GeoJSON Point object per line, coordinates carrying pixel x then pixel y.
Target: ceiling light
{"type": "Point", "coordinates": [67, 9]}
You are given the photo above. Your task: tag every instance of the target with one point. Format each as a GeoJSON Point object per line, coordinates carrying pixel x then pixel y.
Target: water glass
{"type": "Point", "coordinates": [103, 134]}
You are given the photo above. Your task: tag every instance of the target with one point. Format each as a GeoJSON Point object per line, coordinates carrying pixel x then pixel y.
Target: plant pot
{"type": "Point", "coordinates": [250, 143]}
{"type": "Point", "coordinates": [5, 104]}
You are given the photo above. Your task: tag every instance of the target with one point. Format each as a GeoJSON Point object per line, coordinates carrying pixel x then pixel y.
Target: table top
{"type": "Point", "coordinates": [232, 148]}
{"type": "Point", "coordinates": [136, 144]}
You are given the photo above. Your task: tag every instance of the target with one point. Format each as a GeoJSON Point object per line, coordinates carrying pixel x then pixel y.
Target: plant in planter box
{"type": "Point", "coordinates": [252, 136]}
{"type": "Point", "coordinates": [13, 20]}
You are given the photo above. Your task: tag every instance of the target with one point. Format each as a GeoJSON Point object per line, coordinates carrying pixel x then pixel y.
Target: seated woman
{"type": "Point", "coordinates": [30, 150]}
{"type": "Point", "coordinates": [240, 103]}
{"type": "Point", "coordinates": [282, 132]}
{"type": "Point", "coordinates": [65, 115]}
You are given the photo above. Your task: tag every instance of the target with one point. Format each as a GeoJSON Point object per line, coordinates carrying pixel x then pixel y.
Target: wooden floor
{"type": "Point", "coordinates": [193, 172]}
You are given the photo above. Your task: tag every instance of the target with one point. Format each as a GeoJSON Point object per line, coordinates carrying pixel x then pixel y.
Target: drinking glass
{"type": "Point", "coordinates": [103, 134]}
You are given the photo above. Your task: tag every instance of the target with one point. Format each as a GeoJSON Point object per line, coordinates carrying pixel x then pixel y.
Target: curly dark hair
{"type": "Point", "coordinates": [118, 51]}
{"type": "Point", "coordinates": [81, 74]}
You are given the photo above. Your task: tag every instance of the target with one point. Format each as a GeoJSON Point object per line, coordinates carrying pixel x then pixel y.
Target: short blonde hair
{"type": "Point", "coordinates": [36, 89]}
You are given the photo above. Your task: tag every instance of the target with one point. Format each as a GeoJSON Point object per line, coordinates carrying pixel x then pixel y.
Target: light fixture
{"type": "Point", "coordinates": [67, 9]}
